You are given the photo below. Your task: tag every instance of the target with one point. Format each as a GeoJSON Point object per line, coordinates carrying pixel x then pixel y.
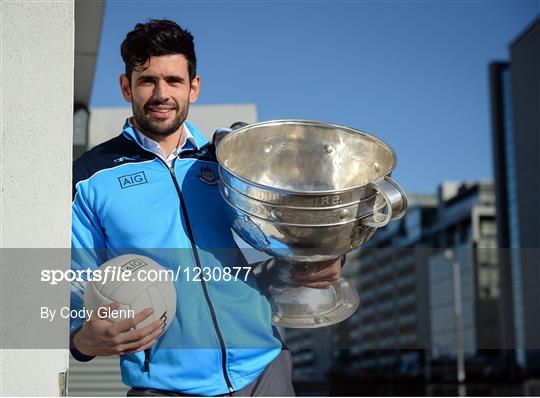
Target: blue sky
{"type": "Point", "coordinates": [413, 73]}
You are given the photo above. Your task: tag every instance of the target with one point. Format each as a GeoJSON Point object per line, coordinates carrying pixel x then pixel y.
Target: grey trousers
{"type": "Point", "coordinates": [275, 381]}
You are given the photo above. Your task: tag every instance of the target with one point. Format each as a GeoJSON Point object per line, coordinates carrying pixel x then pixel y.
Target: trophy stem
{"type": "Point", "coordinates": [297, 306]}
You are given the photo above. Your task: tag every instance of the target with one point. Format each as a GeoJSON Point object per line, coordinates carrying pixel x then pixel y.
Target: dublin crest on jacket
{"type": "Point", "coordinates": [207, 176]}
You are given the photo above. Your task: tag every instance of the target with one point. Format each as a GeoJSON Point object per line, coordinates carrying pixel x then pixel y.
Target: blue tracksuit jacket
{"type": "Point", "coordinates": [127, 200]}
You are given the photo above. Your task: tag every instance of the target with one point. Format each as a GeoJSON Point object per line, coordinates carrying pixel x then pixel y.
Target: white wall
{"type": "Point", "coordinates": [36, 110]}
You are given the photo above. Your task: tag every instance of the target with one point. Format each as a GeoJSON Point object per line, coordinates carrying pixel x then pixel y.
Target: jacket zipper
{"type": "Point", "coordinates": [203, 283]}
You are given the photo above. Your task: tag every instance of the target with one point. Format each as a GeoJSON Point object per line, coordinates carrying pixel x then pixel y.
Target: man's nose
{"type": "Point", "coordinates": [161, 91]}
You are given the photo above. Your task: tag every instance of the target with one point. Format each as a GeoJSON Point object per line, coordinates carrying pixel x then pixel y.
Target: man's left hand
{"type": "Point", "coordinates": [320, 274]}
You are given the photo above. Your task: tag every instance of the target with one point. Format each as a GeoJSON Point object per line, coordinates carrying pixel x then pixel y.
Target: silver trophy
{"type": "Point", "coordinates": [302, 192]}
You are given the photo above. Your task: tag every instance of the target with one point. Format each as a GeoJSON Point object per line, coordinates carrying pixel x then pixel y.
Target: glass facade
{"type": "Point", "coordinates": [442, 307]}
{"type": "Point", "coordinates": [513, 226]}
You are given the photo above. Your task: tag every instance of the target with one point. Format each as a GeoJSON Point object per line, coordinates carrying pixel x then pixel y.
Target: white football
{"type": "Point", "coordinates": [145, 288]}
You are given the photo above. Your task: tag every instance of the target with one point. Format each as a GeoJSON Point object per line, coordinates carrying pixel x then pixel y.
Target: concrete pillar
{"type": "Point", "coordinates": [37, 47]}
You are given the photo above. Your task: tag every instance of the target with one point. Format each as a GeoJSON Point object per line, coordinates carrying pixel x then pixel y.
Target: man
{"type": "Point", "coordinates": [154, 187]}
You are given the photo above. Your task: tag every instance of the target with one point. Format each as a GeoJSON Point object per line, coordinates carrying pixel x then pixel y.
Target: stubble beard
{"type": "Point", "coordinates": [148, 126]}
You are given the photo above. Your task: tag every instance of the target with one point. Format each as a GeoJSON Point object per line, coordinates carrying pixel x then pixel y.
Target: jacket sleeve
{"type": "Point", "coordinates": [87, 252]}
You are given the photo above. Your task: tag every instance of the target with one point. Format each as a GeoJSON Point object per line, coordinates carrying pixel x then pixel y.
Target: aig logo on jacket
{"type": "Point", "coordinates": [206, 175]}
{"type": "Point", "coordinates": [131, 180]}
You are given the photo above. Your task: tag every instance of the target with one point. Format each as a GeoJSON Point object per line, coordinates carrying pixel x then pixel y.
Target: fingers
{"type": "Point", "coordinates": [145, 347]}
{"type": "Point", "coordinates": [141, 344]}
{"type": "Point", "coordinates": [130, 323]}
{"type": "Point", "coordinates": [320, 283]}
{"type": "Point", "coordinates": [315, 275]}
{"type": "Point", "coordinates": [310, 280]}
{"type": "Point", "coordinates": [101, 315]}
{"type": "Point", "coordinates": [139, 334]}
{"type": "Point", "coordinates": [108, 338]}
{"type": "Point", "coordinates": [317, 271]}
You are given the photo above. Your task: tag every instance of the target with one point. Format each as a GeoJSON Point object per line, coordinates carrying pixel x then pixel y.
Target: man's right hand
{"type": "Point", "coordinates": [99, 336]}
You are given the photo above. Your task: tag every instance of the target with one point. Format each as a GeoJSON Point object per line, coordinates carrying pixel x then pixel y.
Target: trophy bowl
{"type": "Point", "coordinates": [305, 191]}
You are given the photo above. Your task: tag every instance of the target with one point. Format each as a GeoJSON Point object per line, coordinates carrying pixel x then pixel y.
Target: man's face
{"type": "Point", "coordinates": [160, 94]}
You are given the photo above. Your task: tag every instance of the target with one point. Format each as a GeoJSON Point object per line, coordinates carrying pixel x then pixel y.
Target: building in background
{"type": "Point", "coordinates": [409, 288]}
{"type": "Point", "coordinates": [391, 328]}
{"type": "Point", "coordinates": [406, 324]}
{"type": "Point", "coordinates": [464, 292]}
{"type": "Point", "coordinates": [515, 106]}
{"type": "Point", "coordinates": [402, 339]}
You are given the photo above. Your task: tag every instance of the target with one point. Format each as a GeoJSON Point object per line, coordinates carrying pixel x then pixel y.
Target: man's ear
{"type": "Point", "coordinates": [195, 89]}
{"type": "Point", "coordinates": [125, 87]}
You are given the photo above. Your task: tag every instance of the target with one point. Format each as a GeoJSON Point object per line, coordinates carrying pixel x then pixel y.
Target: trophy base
{"type": "Point", "coordinates": [302, 307]}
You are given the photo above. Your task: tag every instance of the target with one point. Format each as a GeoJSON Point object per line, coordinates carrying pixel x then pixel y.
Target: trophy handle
{"type": "Point", "coordinates": [220, 133]}
{"type": "Point", "coordinates": [396, 203]}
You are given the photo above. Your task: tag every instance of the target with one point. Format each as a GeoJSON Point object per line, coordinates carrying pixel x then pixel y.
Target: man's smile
{"type": "Point", "coordinates": [160, 112]}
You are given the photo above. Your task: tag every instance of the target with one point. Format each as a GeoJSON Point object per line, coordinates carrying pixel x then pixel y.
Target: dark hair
{"type": "Point", "coordinates": [154, 38]}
